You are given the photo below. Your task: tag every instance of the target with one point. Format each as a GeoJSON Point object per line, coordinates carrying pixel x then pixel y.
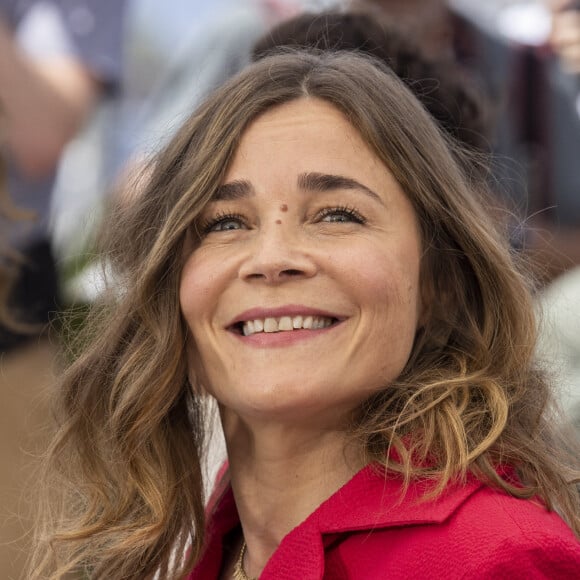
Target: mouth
{"type": "Point", "coordinates": [283, 324]}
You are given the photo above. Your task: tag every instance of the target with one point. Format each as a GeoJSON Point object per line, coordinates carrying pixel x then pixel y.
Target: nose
{"type": "Point", "coordinates": [278, 255]}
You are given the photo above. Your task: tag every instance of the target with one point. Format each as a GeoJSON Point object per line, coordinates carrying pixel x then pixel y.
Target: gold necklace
{"type": "Point", "coordinates": [239, 572]}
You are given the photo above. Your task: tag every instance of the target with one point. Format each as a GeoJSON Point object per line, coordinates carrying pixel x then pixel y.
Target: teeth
{"type": "Point", "coordinates": [285, 323]}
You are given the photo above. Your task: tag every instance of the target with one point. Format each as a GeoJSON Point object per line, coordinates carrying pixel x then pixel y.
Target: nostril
{"type": "Point", "coordinates": [292, 272]}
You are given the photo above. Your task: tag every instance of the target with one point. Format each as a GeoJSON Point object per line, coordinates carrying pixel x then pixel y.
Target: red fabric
{"type": "Point", "coordinates": [365, 531]}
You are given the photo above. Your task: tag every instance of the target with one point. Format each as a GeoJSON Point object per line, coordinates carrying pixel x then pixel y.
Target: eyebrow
{"type": "Point", "coordinates": [238, 189]}
{"type": "Point", "coordinates": [328, 182]}
{"type": "Point", "coordinates": [311, 181]}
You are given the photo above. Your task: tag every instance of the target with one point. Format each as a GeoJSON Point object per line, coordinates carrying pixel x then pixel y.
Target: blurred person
{"type": "Point", "coordinates": [560, 300]}
{"type": "Point", "coordinates": [57, 58]}
{"type": "Point", "coordinates": [211, 48]}
{"type": "Point", "coordinates": [537, 118]}
{"type": "Point", "coordinates": [565, 33]}
{"type": "Point", "coordinates": [428, 23]}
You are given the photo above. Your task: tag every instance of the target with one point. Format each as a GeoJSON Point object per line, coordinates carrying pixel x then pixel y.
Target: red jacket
{"type": "Point", "coordinates": [362, 532]}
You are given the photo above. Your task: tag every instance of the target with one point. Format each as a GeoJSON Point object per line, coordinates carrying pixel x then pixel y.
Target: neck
{"type": "Point", "coordinates": [280, 474]}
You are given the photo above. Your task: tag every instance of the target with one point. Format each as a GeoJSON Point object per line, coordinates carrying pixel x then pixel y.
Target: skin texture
{"type": "Point", "coordinates": [352, 252]}
{"type": "Point", "coordinates": [367, 275]}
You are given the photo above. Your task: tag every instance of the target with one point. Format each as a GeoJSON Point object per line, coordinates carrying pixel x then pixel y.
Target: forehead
{"type": "Point", "coordinates": [309, 114]}
{"type": "Point", "coordinates": [312, 135]}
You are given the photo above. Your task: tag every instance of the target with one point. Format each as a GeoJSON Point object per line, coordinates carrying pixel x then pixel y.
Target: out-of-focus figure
{"type": "Point", "coordinates": [565, 33]}
{"type": "Point", "coordinates": [57, 59]}
{"type": "Point", "coordinates": [529, 51]}
{"type": "Point", "coordinates": [429, 23]}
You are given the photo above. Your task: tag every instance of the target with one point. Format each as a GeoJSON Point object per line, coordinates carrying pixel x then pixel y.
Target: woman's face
{"type": "Point", "coordinates": [303, 295]}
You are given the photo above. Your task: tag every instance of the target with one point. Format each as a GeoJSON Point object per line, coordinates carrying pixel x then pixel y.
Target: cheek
{"type": "Point", "coordinates": [198, 289]}
{"type": "Point", "coordinates": [197, 301]}
{"type": "Point", "coordinates": [204, 283]}
{"type": "Point", "coordinates": [388, 280]}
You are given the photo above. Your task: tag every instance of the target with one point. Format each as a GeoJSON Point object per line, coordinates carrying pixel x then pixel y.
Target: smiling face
{"type": "Point", "coordinates": [302, 295]}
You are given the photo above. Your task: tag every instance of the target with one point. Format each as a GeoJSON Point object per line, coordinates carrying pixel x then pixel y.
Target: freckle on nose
{"type": "Point", "coordinates": [278, 222]}
{"type": "Point", "coordinates": [283, 207]}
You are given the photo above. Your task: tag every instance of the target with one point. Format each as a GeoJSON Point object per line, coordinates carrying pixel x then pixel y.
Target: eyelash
{"type": "Point", "coordinates": [344, 210]}
{"type": "Point", "coordinates": [209, 224]}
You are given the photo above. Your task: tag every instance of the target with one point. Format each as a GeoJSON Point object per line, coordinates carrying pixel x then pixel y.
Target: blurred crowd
{"type": "Point", "coordinates": [90, 90]}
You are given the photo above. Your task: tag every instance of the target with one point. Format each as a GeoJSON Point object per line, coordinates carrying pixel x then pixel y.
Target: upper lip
{"type": "Point", "coordinates": [280, 311]}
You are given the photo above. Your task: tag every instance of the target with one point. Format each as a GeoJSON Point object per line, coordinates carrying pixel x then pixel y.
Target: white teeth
{"type": "Point", "coordinates": [285, 324]}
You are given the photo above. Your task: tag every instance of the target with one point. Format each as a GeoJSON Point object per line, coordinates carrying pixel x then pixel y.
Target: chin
{"type": "Point", "coordinates": [285, 404]}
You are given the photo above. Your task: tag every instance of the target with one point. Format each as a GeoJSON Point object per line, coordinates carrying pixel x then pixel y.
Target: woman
{"type": "Point", "coordinates": [309, 252]}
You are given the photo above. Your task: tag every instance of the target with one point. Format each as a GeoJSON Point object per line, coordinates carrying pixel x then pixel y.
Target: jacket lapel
{"type": "Point", "coordinates": [369, 501]}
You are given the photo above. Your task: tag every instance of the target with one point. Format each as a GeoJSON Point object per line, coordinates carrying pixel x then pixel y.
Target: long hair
{"type": "Point", "coordinates": [126, 460]}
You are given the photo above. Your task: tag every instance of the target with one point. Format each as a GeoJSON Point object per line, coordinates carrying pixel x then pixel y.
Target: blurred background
{"type": "Point", "coordinates": [89, 90]}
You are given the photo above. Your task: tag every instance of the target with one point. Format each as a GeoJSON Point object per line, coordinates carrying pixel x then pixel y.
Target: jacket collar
{"type": "Point", "coordinates": [378, 503]}
{"type": "Point", "coordinates": [369, 501]}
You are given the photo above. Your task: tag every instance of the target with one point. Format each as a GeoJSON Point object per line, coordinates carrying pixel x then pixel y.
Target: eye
{"type": "Point", "coordinates": [341, 214]}
{"type": "Point", "coordinates": [224, 223]}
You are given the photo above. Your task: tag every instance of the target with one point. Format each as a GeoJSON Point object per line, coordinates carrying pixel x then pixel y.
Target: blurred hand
{"type": "Point", "coordinates": [565, 35]}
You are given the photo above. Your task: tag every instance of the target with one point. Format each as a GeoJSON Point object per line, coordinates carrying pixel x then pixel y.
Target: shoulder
{"type": "Point", "coordinates": [518, 536]}
{"type": "Point", "coordinates": [489, 510]}
{"type": "Point", "coordinates": [487, 534]}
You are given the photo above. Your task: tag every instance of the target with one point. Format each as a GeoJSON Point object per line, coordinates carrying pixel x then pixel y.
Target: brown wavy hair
{"type": "Point", "coordinates": [125, 463]}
